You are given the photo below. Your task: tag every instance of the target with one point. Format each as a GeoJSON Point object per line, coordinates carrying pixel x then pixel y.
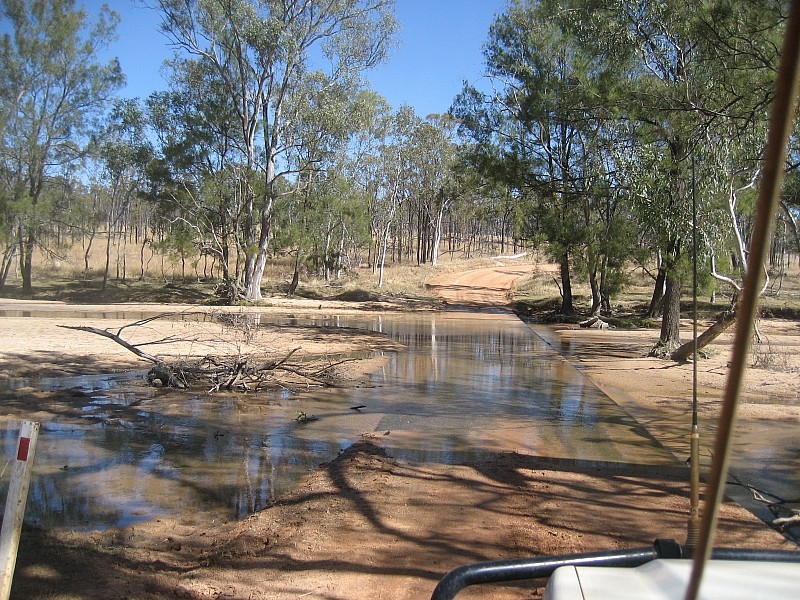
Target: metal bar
{"type": "Point", "coordinates": [536, 568]}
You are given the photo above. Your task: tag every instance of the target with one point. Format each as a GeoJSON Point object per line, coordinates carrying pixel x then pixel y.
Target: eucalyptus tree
{"type": "Point", "coordinates": [407, 176]}
{"type": "Point", "coordinates": [531, 131]}
{"type": "Point", "coordinates": [730, 168]}
{"type": "Point", "coordinates": [125, 153]}
{"type": "Point", "coordinates": [790, 200]}
{"type": "Point", "coordinates": [424, 162]}
{"type": "Point", "coordinates": [656, 41]}
{"type": "Point", "coordinates": [325, 226]}
{"type": "Point", "coordinates": [480, 191]}
{"type": "Point", "coordinates": [255, 52]}
{"type": "Point", "coordinates": [695, 75]}
{"type": "Point", "coordinates": [362, 167]}
{"type": "Point", "coordinates": [200, 178]}
{"type": "Point", "coordinates": [388, 172]}
{"type": "Point", "coordinates": [744, 39]}
{"type": "Point", "coordinates": [319, 206]}
{"type": "Point", "coordinates": [611, 231]}
{"type": "Point", "coordinates": [790, 204]}
{"type": "Point", "coordinates": [54, 90]}
{"type": "Point", "coordinates": [434, 159]}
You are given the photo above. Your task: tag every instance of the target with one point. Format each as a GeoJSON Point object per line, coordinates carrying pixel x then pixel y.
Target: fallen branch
{"type": "Point", "coordinates": [116, 337]}
{"type": "Point", "coordinates": [232, 373]}
{"type": "Point", "coordinates": [595, 322]}
{"type": "Point", "coordinates": [721, 325]}
{"type": "Point", "coordinates": [784, 522]}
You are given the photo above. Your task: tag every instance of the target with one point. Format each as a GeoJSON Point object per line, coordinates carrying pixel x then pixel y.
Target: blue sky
{"type": "Point", "coordinates": [439, 46]}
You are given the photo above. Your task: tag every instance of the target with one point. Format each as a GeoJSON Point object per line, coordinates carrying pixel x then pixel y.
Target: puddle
{"type": "Point", "coordinates": [111, 384]}
{"type": "Point", "coordinates": [462, 388]}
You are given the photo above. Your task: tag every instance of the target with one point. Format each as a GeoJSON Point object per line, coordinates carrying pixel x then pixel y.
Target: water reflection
{"type": "Point", "coordinates": [464, 386]}
{"type": "Point", "coordinates": [112, 384]}
{"type": "Point", "coordinates": [98, 314]}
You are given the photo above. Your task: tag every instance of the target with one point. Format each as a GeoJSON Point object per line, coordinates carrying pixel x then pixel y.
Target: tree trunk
{"type": "Point", "coordinates": [437, 236]}
{"type": "Point", "coordinates": [792, 225]}
{"type": "Point", "coordinates": [605, 298]}
{"type": "Point", "coordinates": [326, 254]}
{"type": "Point", "coordinates": [721, 325]}
{"type": "Point", "coordinates": [296, 275]}
{"type": "Point", "coordinates": [596, 297]}
{"type": "Point", "coordinates": [26, 261]}
{"type": "Point", "coordinates": [339, 263]}
{"type": "Point", "coordinates": [124, 257]}
{"type": "Point", "coordinates": [8, 260]}
{"type": "Point", "coordinates": [670, 337]}
{"type": "Point", "coordinates": [255, 263]}
{"type": "Point", "coordinates": [258, 263]}
{"type": "Point", "coordinates": [382, 256]}
{"type": "Point", "coordinates": [657, 300]}
{"type": "Point", "coordinates": [108, 261]}
{"type": "Point", "coordinates": [141, 258]}
{"type": "Point", "coordinates": [567, 307]}
{"type": "Point", "coordinates": [87, 254]}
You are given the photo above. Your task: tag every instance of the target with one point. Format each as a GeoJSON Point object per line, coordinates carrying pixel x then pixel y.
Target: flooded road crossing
{"type": "Point", "coordinates": [466, 385]}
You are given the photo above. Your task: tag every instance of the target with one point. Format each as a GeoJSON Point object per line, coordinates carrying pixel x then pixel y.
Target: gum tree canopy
{"type": "Point", "coordinates": [255, 53]}
{"type": "Point", "coordinates": [53, 90]}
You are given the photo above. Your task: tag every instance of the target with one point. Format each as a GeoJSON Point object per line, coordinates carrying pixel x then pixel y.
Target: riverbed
{"type": "Point", "coordinates": [463, 385]}
{"type": "Point", "coordinates": [495, 445]}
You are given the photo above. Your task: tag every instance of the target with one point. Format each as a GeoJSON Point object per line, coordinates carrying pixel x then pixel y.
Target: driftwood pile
{"type": "Point", "coordinates": [239, 372]}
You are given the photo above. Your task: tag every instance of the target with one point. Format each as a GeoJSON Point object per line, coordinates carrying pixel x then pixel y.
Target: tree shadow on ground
{"type": "Point", "coordinates": [365, 523]}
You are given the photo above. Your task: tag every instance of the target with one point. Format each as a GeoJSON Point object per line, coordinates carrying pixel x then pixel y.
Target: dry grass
{"type": "Point", "coordinates": [539, 294]}
{"type": "Point", "coordinates": [152, 277]}
{"type": "Point", "coordinates": [541, 286]}
{"type": "Point", "coordinates": [157, 278]}
{"type": "Point", "coordinates": [777, 355]}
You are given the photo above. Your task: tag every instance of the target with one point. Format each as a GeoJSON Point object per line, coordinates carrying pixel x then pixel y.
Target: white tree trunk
{"type": "Point", "coordinates": [437, 236]}
{"type": "Point", "coordinates": [384, 244]}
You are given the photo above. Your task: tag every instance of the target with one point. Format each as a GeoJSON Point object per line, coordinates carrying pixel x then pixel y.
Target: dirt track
{"type": "Point", "coordinates": [489, 286]}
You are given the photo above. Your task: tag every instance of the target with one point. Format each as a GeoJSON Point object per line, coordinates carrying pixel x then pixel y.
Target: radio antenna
{"type": "Point", "coordinates": [780, 125]}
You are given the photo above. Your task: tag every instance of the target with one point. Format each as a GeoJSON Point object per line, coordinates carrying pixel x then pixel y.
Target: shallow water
{"type": "Point", "coordinates": [765, 455]}
{"type": "Point", "coordinates": [466, 385]}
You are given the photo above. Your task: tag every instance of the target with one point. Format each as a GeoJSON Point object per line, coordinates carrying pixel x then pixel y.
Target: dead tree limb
{"type": "Point", "coordinates": [784, 522]}
{"type": "Point", "coordinates": [115, 336]}
{"type": "Point", "coordinates": [237, 372]}
{"type": "Point", "coordinates": [723, 322]}
{"type": "Point", "coordinates": [595, 322]}
{"type": "Point", "coordinates": [161, 371]}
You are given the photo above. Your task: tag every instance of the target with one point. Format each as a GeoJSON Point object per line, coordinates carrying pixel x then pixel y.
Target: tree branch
{"type": "Point", "coordinates": [107, 334]}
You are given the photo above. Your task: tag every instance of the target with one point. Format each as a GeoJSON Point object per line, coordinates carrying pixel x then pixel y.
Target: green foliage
{"type": "Point", "coordinates": [178, 245]}
{"type": "Point", "coordinates": [545, 134]}
{"type": "Point", "coordinates": [261, 104]}
{"type": "Point", "coordinates": [53, 92]}
{"type": "Point", "coordinates": [604, 120]}
{"type": "Point", "coordinates": [610, 117]}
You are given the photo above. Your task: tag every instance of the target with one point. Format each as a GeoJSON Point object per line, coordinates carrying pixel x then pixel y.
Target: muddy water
{"type": "Point", "coordinates": [466, 385]}
{"type": "Point", "coordinates": [765, 453]}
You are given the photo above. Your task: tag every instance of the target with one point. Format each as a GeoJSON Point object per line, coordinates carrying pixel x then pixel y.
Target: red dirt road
{"type": "Point", "coordinates": [478, 288]}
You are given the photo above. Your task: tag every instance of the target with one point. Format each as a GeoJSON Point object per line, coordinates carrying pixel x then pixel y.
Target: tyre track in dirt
{"type": "Point", "coordinates": [479, 289]}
